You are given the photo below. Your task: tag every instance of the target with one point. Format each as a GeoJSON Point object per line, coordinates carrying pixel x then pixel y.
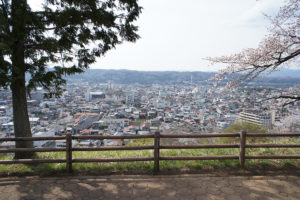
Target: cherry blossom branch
{"type": "Point", "coordinates": [281, 46]}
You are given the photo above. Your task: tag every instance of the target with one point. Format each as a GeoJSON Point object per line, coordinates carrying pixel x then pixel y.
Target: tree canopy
{"type": "Point", "coordinates": [66, 34]}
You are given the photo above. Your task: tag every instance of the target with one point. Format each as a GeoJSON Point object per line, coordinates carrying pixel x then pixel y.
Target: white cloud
{"type": "Point", "coordinates": [255, 15]}
{"type": "Point", "coordinates": [35, 4]}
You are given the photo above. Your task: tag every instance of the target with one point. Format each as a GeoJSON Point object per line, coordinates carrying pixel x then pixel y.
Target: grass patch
{"type": "Point", "coordinates": [165, 166]}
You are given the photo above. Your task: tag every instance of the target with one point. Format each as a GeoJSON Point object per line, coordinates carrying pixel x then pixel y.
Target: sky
{"type": "Point", "coordinates": [178, 35]}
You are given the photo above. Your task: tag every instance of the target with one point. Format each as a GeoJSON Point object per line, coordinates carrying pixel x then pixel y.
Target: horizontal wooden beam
{"type": "Point", "coordinates": [33, 138]}
{"type": "Point", "coordinates": [198, 157]}
{"type": "Point", "coordinates": [207, 146]}
{"type": "Point", "coordinates": [32, 161]}
{"type": "Point", "coordinates": [112, 159]}
{"type": "Point", "coordinates": [273, 157]}
{"type": "Point", "coordinates": [31, 150]}
{"type": "Point", "coordinates": [199, 135]}
{"type": "Point", "coordinates": [273, 135]}
{"type": "Point", "coordinates": [112, 148]}
{"type": "Point", "coordinates": [273, 146]}
{"type": "Point", "coordinates": [102, 137]}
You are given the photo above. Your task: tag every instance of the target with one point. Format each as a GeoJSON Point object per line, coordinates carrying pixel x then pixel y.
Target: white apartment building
{"type": "Point", "coordinates": [266, 120]}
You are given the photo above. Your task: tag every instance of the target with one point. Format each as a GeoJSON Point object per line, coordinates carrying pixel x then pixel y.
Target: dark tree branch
{"type": "Point", "coordinates": [292, 55]}
{"type": "Point", "coordinates": [289, 97]}
{"type": "Point", "coordinates": [292, 99]}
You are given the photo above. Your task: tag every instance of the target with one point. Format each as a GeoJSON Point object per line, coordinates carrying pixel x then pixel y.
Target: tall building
{"type": "Point", "coordinates": [132, 98]}
{"type": "Point", "coordinates": [264, 119]}
{"type": "Point", "coordinates": [90, 96]}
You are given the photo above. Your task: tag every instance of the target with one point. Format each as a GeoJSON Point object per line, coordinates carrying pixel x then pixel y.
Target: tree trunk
{"type": "Point", "coordinates": [18, 88]}
{"type": "Point", "coordinates": [21, 119]}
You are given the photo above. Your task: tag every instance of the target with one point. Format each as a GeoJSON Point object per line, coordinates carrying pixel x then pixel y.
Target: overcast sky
{"type": "Point", "coordinates": [177, 34]}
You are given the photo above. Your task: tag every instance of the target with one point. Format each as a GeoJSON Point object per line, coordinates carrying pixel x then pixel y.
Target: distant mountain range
{"type": "Point", "coordinates": [141, 77]}
{"type": "Point", "coordinates": [293, 73]}
{"type": "Point", "coordinates": [285, 77]}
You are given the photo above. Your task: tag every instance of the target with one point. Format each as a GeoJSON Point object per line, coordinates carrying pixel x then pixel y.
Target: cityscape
{"type": "Point", "coordinates": [108, 108]}
{"type": "Point", "coordinates": [151, 100]}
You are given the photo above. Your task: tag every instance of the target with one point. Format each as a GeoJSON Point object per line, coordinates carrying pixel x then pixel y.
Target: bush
{"type": "Point", "coordinates": [245, 126]}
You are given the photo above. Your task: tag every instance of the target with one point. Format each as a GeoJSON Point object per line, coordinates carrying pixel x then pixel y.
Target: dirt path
{"type": "Point", "coordinates": [152, 187]}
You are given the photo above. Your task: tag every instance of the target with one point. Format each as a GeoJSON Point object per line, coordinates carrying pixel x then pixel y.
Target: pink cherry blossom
{"type": "Point", "coordinates": [280, 47]}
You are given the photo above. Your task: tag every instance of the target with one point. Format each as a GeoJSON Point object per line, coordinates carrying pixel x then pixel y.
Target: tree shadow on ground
{"type": "Point", "coordinates": [152, 187]}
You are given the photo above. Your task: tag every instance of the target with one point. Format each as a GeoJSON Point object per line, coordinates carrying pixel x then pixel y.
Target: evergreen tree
{"type": "Point", "coordinates": [66, 34]}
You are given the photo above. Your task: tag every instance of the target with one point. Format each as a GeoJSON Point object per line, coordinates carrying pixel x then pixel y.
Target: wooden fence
{"type": "Point", "coordinates": [156, 147]}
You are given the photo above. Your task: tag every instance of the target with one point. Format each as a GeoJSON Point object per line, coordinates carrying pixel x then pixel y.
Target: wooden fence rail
{"type": "Point", "coordinates": [69, 149]}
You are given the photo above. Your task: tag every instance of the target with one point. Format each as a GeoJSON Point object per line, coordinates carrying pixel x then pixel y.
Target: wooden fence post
{"type": "Point", "coordinates": [242, 148]}
{"type": "Point", "coordinates": [156, 151]}
{"type": "Point", "coordinates": [69, 152]}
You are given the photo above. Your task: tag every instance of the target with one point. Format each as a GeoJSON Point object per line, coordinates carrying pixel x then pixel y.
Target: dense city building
{"type": "Point", "coordinates": [88, 108]}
